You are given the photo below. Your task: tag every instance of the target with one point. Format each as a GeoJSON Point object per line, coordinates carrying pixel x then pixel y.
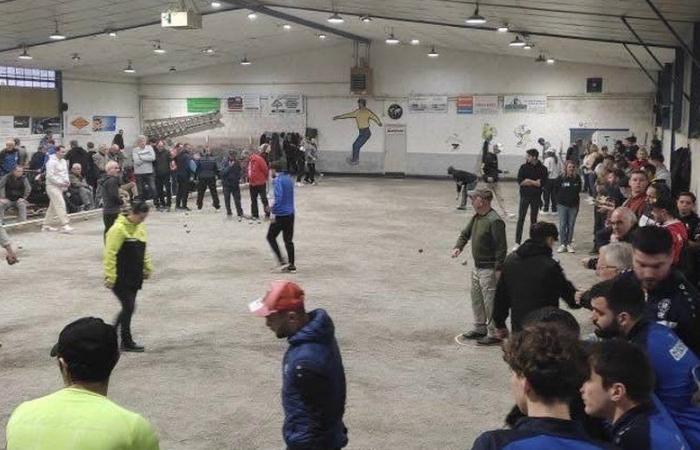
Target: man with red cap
{"type": "Point", "coordinates": [313, 391]}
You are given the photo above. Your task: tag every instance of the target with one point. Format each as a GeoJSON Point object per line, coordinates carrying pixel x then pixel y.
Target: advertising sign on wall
{"type": "Point", "coordinates": [486, 104]}
{"type": "Point", "coordinates": [203, 104]}
{"type": "Point", "coordinates": [78, 124]}
{"type": "Point", "coordinates": [21, 122]}
{"type": "Point", "coordinates": [104, 123]}
{"type": "Point", "coordinates": [525, 103]}
{"type": "Point", "coordinates": [428, 104]}
{"type": "Point", "coordinates": [286, 104]}
{"type": "Point", "coordinates": [465, 105]}
{"type": "Point", "coordinates": [245, 102]}
{"type": "Point", "coordinates": [41, 125]}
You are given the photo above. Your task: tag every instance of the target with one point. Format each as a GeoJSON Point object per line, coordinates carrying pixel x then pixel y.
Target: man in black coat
{"type": "Point", "coordinates": [531, 279]}
{"type": "Point", "coordinates": [532, 177]}
{"type": "Point", "coordinates": [230, 173]}
{"type": "Point", "coordinates": [207, 171]}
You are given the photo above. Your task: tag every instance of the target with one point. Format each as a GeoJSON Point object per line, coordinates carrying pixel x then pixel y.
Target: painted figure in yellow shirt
{"type": "Point", "coordinates": [363, 116]}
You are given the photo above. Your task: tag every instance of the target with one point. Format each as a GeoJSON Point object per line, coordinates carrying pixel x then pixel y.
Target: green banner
{"type": "Point", "coordinates": [203, 105]}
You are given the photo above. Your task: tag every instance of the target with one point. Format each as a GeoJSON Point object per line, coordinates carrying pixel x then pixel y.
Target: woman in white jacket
{"type": "Point", "coordinates": [550, 191]}
{"type": "Point", "coordinates": [57, 183]}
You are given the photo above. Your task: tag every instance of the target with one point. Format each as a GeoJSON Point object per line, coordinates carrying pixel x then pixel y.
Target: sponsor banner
{"type": "Point", "coordinates": [286, 104]}
{"type": "Point", "coordinates": [486, 104]}
{"type": "Point", "coordinates": [525, 103]}
{"type": "Point", "coordinates": [428, 104]}
{"type": "Point", "coordinates": [245, 102]}
{"type": "Point", "coordinates": [465, 105]}
{"type": "Point", "coordinates": [203, 105]}
{"type": "Point", "coordinates": [104, 124]}
{"type": "Point", "coordinates": [40, 125]}
{"type": "Point", "coordinates": [79, 124]}
{"type": "Point", "coordinates": [21, 121]}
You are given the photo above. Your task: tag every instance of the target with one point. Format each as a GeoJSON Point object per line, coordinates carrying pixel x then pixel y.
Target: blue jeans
{"type": "Point", "coordinates": [361, 140]}
{"type": "Point", "coordinates": [567, 221]}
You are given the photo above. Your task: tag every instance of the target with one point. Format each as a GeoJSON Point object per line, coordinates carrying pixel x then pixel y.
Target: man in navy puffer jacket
{"type": "Point", "coordinates": [313, 391]}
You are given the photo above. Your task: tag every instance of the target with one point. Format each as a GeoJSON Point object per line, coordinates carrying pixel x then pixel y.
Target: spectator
{"type": "Point", "coordinates": [686, 209]}
{"type": "Point", "coordinates": [619, 311]}
{"type": "Point", "coordinates": [283, 217]}
{"type": "Point", "coordinates": [551, 163]}
{"type": "Point", "coordinates": [116, 154]}
{"type": "Point", "coordinates": [119, 140]}
{"type": "Point", "coordinates": [489, 166]}
{"type": "Point", "coordinates": [619, 390]}
{"type": "Point", "coordinates": [313, 391]}
{"type": "Point", "coordinates": [622, 223]}
{"type": "Point", "coordinates": [80, 416]}
{"type": "Point", "coordinates": [568, 187]}
{"type": "Point", "coordinates": [613, 260]}
{"type": "Point", "coordinates": [311, 153]}
{"type": "Point", "coordinates": [532, 176]}
{"type": "Point", "coordinates": [10, 157]}
{"type": "Point", "coordinates": [57, 182]}
{"type": "Point", "coordinates": [46, 140]}
{"type": "Point", "coordinates": [78, 155]}
{"type": "Point", "coordinates": [575, 152]}
{"type": "Point", "coordinates": [10, 255]}
{"type": "Point", "coordinates": [638, 198]}
{"type": "Point", "coordinates": [465, 181]}
{"type": "Point", "coordinates": [79, 185]}
{"type": "Point", "coordinates": [112, 199]}
{"type": "Point", "coordinates": [183, 174]}
{"type": "Point", "coordinates": [92, 173]}
{"type": "Point", "coordinates": [164, 194]}
{"type": "Point", "coordinates": [257, 180]}
{"type": "Point", "coordinates": [230, 170]}
{"type": "Point", "coordinates": [665, 215]}
{"type": "Point", "coordinates": [487, 232]}
{"type": "Point", "coordinates": [126, 265]}
{"type": "Point", "coordinates": [548, 366]}
{"type": "Point", "coordinates": [655, 191]}
{"type": "Point", "coordinates": [662, 173]}
{"type": "Point", "coordinates": [14, 192]}
{"type": "Point", "coordinates": [143, 158]}
{"type": "Point", "coordinates": [207, 171]}
{"type": "Point", "coordinates": [100, 158]}
{"type": "Point", "coordinates": [531, 279]}
{"type": "Point", "coordinates": [641, 160]}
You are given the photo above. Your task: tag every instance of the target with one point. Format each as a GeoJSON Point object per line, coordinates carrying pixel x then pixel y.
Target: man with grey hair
{"type": "Point", "coordinates": [487, 231]}
{"type": "Point", "coordinates": [79, 185]}
{"type": "Point", "coordinates": [613, 259]}
{"type": "Point", "coordinates": [621, 224]}
{"type": "Point", "coordinates": [143, 156]}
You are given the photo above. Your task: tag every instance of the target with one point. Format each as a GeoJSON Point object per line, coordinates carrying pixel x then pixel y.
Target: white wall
{"type": "Point", "coordinates": [323, 77]}
{"type": "Point", "coordinates": [117, 97]}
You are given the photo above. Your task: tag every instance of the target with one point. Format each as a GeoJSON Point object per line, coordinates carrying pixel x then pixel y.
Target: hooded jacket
{"type": "Point", "coordinates": [125, 258]}
{"type": "Point", "coordinates": [531, 279]}
{"type": "Point", "coordinates": [313, 392]}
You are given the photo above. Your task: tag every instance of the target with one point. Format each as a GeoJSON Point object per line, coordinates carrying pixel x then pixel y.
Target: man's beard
{"type": "Point", "coordinates": [610, 332]}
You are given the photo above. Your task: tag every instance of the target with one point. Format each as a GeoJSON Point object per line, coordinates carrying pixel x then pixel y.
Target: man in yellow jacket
{"type": "Point", "coordinates": [126, 265]}
{"type": "Point", "coordinates": [362, 116]}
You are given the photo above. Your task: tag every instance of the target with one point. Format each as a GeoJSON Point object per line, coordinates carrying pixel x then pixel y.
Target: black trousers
{"type": "Point", "coordinates": [144, 185]}
{"type": "Point", "coordinates": [234, 191]}
{"type": "Point", "coordinates": [183, 191]}
{"type": "Point", "coordinates": [284, 225]}
{"type": "Point", "coordinates": [550, 195]}
{"type": "Point", "coordinates": [310, 172]}
{"type": "Point", "coordinates": [109, 220]}
{"type": "Point", "coordinates": [202, 186]}
{"type": "Point", "coordinates": [164, 191]}
{"type": "Point", "coordinates": [260, 191]}
{"type": "Point", "coordinates": [526, 202]}
{"type": "Point", "coordinates": [127, 298]}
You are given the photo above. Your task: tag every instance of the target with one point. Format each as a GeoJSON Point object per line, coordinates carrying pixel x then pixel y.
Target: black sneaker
{"type": "Point", "coordinates": [133, 347]}
{"type": "Point", "coordinates": [289, 269]}
{"type": "Point", "coordinates": [489, 340]}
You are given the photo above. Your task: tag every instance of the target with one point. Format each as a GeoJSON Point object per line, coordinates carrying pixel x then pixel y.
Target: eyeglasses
{"type": "Point", "coordinates": [606, 267]}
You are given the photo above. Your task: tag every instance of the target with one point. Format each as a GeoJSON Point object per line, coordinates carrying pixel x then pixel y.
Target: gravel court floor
{"type": "Point", "coordinates": [211, 376]}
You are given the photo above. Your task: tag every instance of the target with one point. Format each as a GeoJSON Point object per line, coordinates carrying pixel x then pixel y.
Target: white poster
{"type": "Point", "coordinates": [525, 103]}
{"type": "Point", "coordinates": [486, 104]}
{"type": "Point", "coordinates": [243, 102]}
{"type": "Point", "coordinates": [79, 124]}
{"type": "Point", "coordinates": [286, 104]}
{"type": "Point", "coordinates": [428, 104]}
{"type": "Point", "coordinates": [7, 127]}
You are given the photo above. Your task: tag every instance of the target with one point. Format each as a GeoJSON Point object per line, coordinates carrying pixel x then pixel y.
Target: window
{"type": "Point", "coordinates": [30, 78]}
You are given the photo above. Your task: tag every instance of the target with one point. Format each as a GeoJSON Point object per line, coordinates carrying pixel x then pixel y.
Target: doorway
{"type": "Point", "coordinates": [395, 149]}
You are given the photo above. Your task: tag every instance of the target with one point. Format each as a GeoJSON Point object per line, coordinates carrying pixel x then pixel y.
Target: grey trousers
{"type": "Point", "coordinates": [483, 294]}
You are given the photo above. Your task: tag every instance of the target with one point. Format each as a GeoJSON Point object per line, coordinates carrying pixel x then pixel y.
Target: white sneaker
{"type": "Point", "coordinates": [67, 229]}
{"type": "Point", "coordinates": [561, 249]}
{"type": "Point", "coordinates": [48, 228]}
{"type": "Point", "coordinates": [300, 184]}
{"type": "Point", "coordinates": [570, 248]}
{"type": "Point", "coordinates": [515, 247]}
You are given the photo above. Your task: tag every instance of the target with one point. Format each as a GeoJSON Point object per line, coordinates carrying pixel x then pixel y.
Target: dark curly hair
{"type": "Point", "coordinates": [552, 361]}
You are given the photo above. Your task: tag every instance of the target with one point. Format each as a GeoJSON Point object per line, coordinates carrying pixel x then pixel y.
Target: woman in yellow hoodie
{"type": "Point", "coordinates": [126, 265]}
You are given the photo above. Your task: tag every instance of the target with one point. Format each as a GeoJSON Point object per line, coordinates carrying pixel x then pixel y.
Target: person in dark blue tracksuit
{"type": "Point", "coordinates": [619, 310]}
{"type": "Point", "coordinates": [549, 365]}
{"type": "Point", "coordinates": [283, 216]}
{"type": "Point", "coordinates": [313, 390]}
{"type": "Point", "coordinates": [620, 390]}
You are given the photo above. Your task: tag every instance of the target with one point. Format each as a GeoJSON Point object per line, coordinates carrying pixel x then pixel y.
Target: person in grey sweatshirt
{"type": "Point", "coordinates": [144, 156]}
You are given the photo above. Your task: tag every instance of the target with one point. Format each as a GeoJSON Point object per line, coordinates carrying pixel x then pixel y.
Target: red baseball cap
{"type": "Point", "coordinates": [283, 295]}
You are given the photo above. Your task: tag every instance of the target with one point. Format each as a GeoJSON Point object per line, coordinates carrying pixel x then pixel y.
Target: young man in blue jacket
{"type": "Point", "coordinates": [620, 390]}
{"type": "Point", "coordinates": [282, 220]}
{"type": "Point", "coordinates": [313, 377]}
{"type": "Point", "coordinates": [548, 366]}
{"type": "Point", "coordinates": [619, 310]}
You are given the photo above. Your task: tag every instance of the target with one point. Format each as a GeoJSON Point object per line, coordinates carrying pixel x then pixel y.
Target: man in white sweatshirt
{"type": "Point", "coordinates": [144, 155]}
{"type": "Point", "coordinates": [57, 183]}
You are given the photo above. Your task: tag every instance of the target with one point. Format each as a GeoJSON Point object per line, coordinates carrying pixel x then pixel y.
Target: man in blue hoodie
{"type": "Point", "coordinates": [313, 391]}
{"type": "Point", "coordinates": [282, 220]}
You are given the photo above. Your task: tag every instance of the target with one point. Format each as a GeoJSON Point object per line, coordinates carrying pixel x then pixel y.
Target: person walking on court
{"type": "Point", "coordinates": [487, 231]}
{"type": "Point", "coordinates": [532, 177]}
{"type": "Point", "coordinates": [57, 183]}
{"type": "Point", "coordinates": [283, 216]}
{"type": "Point", "coordinates": [362, 116]}
{"type": "Point", "coordinates": [258, 172]}
{"type": "Point", "coordinates": [313, 376]}
{"type": "Point", "coordinates": [126, 265]}
{"type": "Point", "coordinates": [489, 167]}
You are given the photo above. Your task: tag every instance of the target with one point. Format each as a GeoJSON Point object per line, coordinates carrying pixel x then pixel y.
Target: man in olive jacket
{"type": "Point", "coordinates": [487, 231]}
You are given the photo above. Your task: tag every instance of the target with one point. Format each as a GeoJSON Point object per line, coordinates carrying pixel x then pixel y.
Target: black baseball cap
{"type": "Point", "coordinates": [90, 348]}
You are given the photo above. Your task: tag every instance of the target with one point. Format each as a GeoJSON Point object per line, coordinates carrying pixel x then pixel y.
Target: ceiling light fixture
{"type": "Point", "coordinates": [57, 36]}
{"type": "Point", "coordinates": [503, 28]}
{"type": "Point", "coordinates": [216, 4]}
{"type": "Point", "coordinates": [245, 61]}
{"type": "Point", "coordinates": [335, 18]}
{"type": "Point", "coordinates": [158, 49]}
{"type": "Point", "coordinates": [252, 16]}
{"type": "Point", "coordinates": [25, 55]}
{"type": "Point", "coordinates": [287, 26]}
{"type": "Point", "coordinates": [415, 42]}
{"type": "Point", "coordinates": [365, 19]}
{"type": "Point", "coordinates": [392, 40]}
{"type": "Point", "coordinates": [322, 36]}
{"type": "Point", "coordinates": [433, 53]}
{"type": "Point", "coordinates": [551, 60]}
{"type": "Point", "coordinates": [172, 69]}
{"type": "Point", "coordinates": [517, 42]}
{"type": "Point", "coordinates": [129, 68]}
{"type": "Point", "coordinates": [475, 18]}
